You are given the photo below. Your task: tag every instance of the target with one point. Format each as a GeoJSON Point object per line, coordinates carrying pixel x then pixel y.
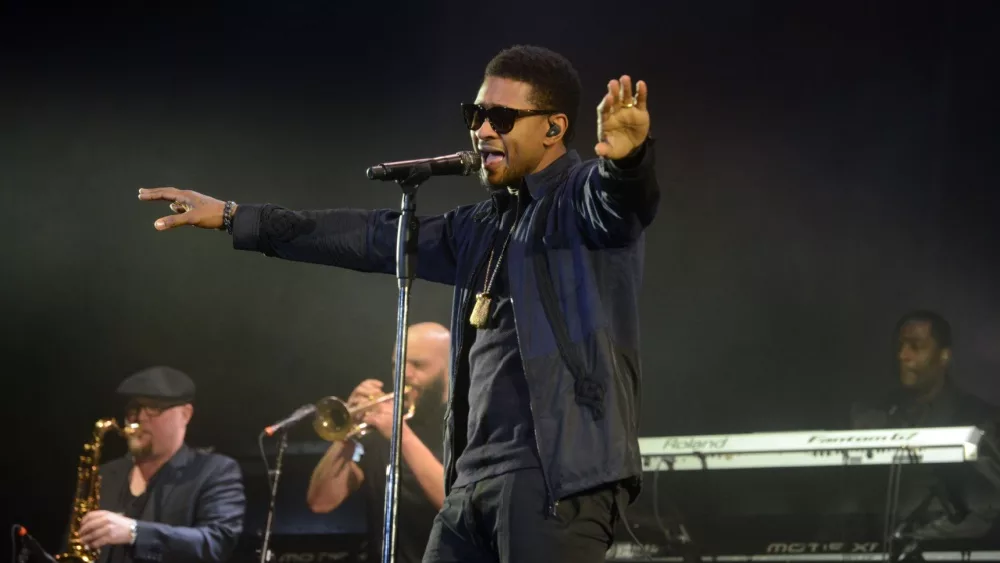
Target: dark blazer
{"type": "Point", "coordinates": [194, 512]}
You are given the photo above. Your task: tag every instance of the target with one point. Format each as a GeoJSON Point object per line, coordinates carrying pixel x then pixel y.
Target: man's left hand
{"type": "Point", "coordinates": [99, 528]}
{"type": "Point", "coordinates": [622, 119]}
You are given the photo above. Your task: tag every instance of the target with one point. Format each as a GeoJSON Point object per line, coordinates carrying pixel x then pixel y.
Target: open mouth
{"type": "Point", "coordinates": [491, 156]}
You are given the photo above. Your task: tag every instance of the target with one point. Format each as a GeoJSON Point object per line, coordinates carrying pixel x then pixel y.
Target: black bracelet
{"type": "Point", "coordinates": [227, 216]}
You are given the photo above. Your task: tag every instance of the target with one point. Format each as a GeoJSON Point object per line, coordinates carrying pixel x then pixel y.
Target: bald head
{"type": "Point", "coordinates": [427, 358]}
{"type": "Point", "coordinates": [429, 335]}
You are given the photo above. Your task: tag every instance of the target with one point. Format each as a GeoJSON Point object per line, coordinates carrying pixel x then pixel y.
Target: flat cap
{"type": "Point", "coordinates": [160, 383]}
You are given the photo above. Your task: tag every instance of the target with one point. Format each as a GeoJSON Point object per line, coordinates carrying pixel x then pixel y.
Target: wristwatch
{"type": "Point", "coordinates": [133, 532]}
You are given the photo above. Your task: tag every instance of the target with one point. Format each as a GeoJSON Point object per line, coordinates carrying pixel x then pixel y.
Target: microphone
{"type": "Point", "coordinates": [459, 164]}
{"type": "Point", "coordinates": [299, 414]}
{"type": "Point", "coordinates": [32, 544]}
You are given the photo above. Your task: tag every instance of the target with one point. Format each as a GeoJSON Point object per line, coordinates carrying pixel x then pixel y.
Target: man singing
{"type": "Point", "coordinates": [165, 502]}
{"type": "Point", "coordinates": [541, 429]}
{"type": "Point", "coordinates": [421, 486]}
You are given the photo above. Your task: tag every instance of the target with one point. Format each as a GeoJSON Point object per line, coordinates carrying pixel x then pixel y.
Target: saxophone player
{"type": "Point", "coordinates": [165, 501]}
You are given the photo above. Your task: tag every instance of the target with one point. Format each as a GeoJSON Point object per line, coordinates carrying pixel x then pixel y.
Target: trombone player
{"type": "Point", "coordinates": [350, 465]}
{"type": "Point", "coordinates": [164, 501]}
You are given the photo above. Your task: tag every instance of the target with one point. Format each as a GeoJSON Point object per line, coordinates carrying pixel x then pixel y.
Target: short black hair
{"type": "Point", "coordinates": [940, 328]}
{"type": "Point", "coordinates": [554, 82]}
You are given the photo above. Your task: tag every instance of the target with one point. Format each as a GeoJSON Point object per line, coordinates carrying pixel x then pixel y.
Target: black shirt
{"type": "Point", "coordinates": [132, 507]}
{"type": "Point", "coordinates": [501, 435]}
{"type": "Point", "coordinates": [414, 513]}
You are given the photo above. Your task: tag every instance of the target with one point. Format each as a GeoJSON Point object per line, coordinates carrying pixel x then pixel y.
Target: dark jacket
{"type": "Point", "coordinates": [194, 512]}
{"type": "Point", "coordinates": [961, 499]}
{"type": "Point", "coordinates": [951, 407]}
{"type": "Point", "coordinates": [575, 264]}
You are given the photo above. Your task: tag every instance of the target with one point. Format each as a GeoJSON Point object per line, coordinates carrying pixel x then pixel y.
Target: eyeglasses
{"type": "Point", "coordinates": [501, 118]}
{"type": "Point", "coordinates": [132, 410]}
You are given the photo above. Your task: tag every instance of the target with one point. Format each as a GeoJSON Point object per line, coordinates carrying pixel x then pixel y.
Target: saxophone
{"type": "Point", "coordinates": [88, 490]}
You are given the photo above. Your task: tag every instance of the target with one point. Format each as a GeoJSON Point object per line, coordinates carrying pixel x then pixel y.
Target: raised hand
{"type": "Point", "coordinates": [190, 208]}
{"type": "Point", "coordinates": [622, 119]}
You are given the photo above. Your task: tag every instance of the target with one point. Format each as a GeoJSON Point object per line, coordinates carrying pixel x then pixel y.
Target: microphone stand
{"type": "Point", "coordinates": [265, 552]}
{"type": "Point", "coordinates": [406, 266]}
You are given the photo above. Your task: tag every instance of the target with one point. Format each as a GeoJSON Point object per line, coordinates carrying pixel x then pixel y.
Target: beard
{"type": "Point", "coordinates": [140, 450]}
{"type": "Point", "coordinates": [510, 176]}
{"type": "Point", "coordinates": [430, 400]}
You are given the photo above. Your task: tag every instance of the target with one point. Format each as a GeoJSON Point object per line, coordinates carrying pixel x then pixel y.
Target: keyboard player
{"type": "Point", "coordinates": [927, 396]}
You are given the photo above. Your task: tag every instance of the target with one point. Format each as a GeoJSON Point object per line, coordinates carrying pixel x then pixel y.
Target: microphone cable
{"type": "Point", "coordinates": [263, 455]}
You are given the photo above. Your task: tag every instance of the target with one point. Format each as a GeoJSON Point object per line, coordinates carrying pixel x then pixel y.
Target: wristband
{"type": "Point", "coordinates": [227, 216]}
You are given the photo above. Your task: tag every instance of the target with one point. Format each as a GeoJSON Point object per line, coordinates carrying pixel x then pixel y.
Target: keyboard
{"type": "Point", "coordinates": [810, 495]}
{"type": "Point", "coordinates": [956, 444]}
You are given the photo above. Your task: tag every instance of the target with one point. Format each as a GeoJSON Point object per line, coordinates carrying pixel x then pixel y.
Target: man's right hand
{"type": "Point", "coordinates": [363, 393]}
{"type": "Point", "coordinates": [191, 208]}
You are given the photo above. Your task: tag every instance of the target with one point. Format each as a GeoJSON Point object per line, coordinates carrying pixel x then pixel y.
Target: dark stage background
{"type": "Point", "coordinates": [825, 167]}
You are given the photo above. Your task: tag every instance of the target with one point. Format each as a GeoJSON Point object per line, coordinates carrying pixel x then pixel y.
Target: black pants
{"type": "Point", "coordinates": [503, 520]}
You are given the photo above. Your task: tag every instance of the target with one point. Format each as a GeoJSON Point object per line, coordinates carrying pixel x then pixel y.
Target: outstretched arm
{"type": "Point", "coordinates": [348, 238]}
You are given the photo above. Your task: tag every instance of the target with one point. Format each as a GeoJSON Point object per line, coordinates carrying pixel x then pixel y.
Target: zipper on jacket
{"type": "Point", "coordinates": [630, 400]}
{"type": "Point", "coordinates": [550, 502]}
{"type": "Point", "coordinates": [460, 341]}
{"type": "Point", "coordinates": [620, 381]}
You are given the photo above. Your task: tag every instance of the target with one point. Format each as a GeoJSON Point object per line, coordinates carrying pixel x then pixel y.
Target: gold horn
{"type": "Point", "coordinates": [88, 490]}
{"type": "Point", "coordinates": [335, 421]}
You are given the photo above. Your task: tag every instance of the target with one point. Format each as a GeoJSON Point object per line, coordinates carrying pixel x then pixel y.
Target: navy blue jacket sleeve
{"type": "Point", "coordinates": [216, 529]}
{"type": "Point", "coordinates": [614, 201]}
{"type": "Point", "coordinates": [359, 240]}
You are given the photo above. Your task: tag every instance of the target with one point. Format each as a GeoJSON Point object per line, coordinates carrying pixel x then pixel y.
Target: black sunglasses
{"type": "Point", "coordinates": [501, 118]}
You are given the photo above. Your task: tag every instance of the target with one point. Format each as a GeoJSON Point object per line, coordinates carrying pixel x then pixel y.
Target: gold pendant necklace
{"type": "Point", "coordinates": [481, 310]}
{"type": "Point", "coordinates": [484, 301]}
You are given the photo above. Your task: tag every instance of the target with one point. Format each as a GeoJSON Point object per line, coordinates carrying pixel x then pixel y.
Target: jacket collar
{"type": "Point", "coordinates": [181, 458]}
{"type": "Point", "coordinates": [539, 182]}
